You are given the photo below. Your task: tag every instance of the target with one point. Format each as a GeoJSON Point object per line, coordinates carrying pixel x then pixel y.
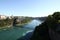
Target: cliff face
{"type": "Point", "coordinates": [41, 32]}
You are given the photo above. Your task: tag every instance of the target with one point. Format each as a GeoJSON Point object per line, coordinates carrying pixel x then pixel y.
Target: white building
{"type": "Point", "coordinates": [3, 17]}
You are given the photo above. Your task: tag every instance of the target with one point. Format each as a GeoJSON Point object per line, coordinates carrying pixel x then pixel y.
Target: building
{"type": "Point", "coordinates": [3, 17]}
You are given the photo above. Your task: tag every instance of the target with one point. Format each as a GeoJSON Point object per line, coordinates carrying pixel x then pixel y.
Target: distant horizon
{"type": "Point", "coordinates": [32, 8]}
{"type": "Point", "coordinates": [24, 16]}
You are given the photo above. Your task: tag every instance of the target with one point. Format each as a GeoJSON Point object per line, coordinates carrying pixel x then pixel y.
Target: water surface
{"type": "Point", "coordinates": [17, 32]}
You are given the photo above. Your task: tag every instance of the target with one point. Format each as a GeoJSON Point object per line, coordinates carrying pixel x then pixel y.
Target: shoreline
{"type": "Point", "coordinates": [5, 27]}
{"type": "Point", "coordinates": [10, 26]}
{"type": "Point", "coordinates": [23, 23]}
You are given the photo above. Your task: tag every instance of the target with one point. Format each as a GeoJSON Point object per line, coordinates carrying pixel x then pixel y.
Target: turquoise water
{"type": "Point", "coordinates": [17, 32]}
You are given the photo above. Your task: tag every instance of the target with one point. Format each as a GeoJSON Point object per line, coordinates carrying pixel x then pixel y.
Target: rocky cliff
{"type": "Point", "coordinates": [42, 31]}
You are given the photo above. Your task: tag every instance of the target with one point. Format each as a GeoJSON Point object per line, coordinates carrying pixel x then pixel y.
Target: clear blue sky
{"type": "Point", "coordinates": [29, 7]}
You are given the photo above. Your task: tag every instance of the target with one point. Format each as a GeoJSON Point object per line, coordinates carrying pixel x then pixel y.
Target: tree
{"type": "Point", "coordinates": [56, 15]}
{"type": "Point", "coordinates": [53, 20]}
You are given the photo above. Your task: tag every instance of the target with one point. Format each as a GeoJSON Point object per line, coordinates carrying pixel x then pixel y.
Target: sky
{"type": "Point", "coordinates": [34, 8]}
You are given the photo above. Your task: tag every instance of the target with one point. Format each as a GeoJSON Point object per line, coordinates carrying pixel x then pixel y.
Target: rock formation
{"type": "Point", "coordinates": [48, 29]}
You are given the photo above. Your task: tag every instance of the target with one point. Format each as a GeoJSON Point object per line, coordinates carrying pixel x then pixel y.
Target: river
{"type": "Point", "coordinates": [17, 32]}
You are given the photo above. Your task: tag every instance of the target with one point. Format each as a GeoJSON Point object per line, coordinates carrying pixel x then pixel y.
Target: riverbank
{"type": "Point", "coordinates": [5, 27]}
{"type": "Point", "coordinates": [17, 25]}
{"type": "Point", "coordinates": [15, 33]}
{"type": "Point", "coordinates": [20, 25]}
{"type": "Point", "coordinates": [8, 23]}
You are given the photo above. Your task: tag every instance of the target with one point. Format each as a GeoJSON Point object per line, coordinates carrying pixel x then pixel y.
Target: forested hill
{"type": "Point", "coordinates": [40, 18]}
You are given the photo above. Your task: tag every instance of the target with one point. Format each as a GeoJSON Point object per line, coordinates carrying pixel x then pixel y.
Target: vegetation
{"type": "Point", "coordinates": [9, 22]}
{"type": "Point", "coordinates": [53, 20]}
{"type": "Point", "coordinates": [6, 22]}
{"type": "Point", "coordinates": [24, 21]}
{"type": "Point", "coordinates": [42, 31]}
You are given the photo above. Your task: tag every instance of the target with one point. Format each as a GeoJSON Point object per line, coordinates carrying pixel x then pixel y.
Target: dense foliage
{"type": "Point", "coordinates": [25, 20]}
{"type": "Point", "coordinates": [53, 20]}
{"type": "Point", "coordinates": [47, 28]}
{"type": "Point", "coordinates": [6, 22]}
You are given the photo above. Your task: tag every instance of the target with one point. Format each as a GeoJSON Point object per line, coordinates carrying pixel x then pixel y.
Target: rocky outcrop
{"type": "Point", "coordinates": [48, 29]}
{"type": "Point", "coordinates": [41, 32]}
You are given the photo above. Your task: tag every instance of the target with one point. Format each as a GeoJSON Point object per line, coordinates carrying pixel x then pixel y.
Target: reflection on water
{"type": "Point", "coordinates": [17, 32]}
